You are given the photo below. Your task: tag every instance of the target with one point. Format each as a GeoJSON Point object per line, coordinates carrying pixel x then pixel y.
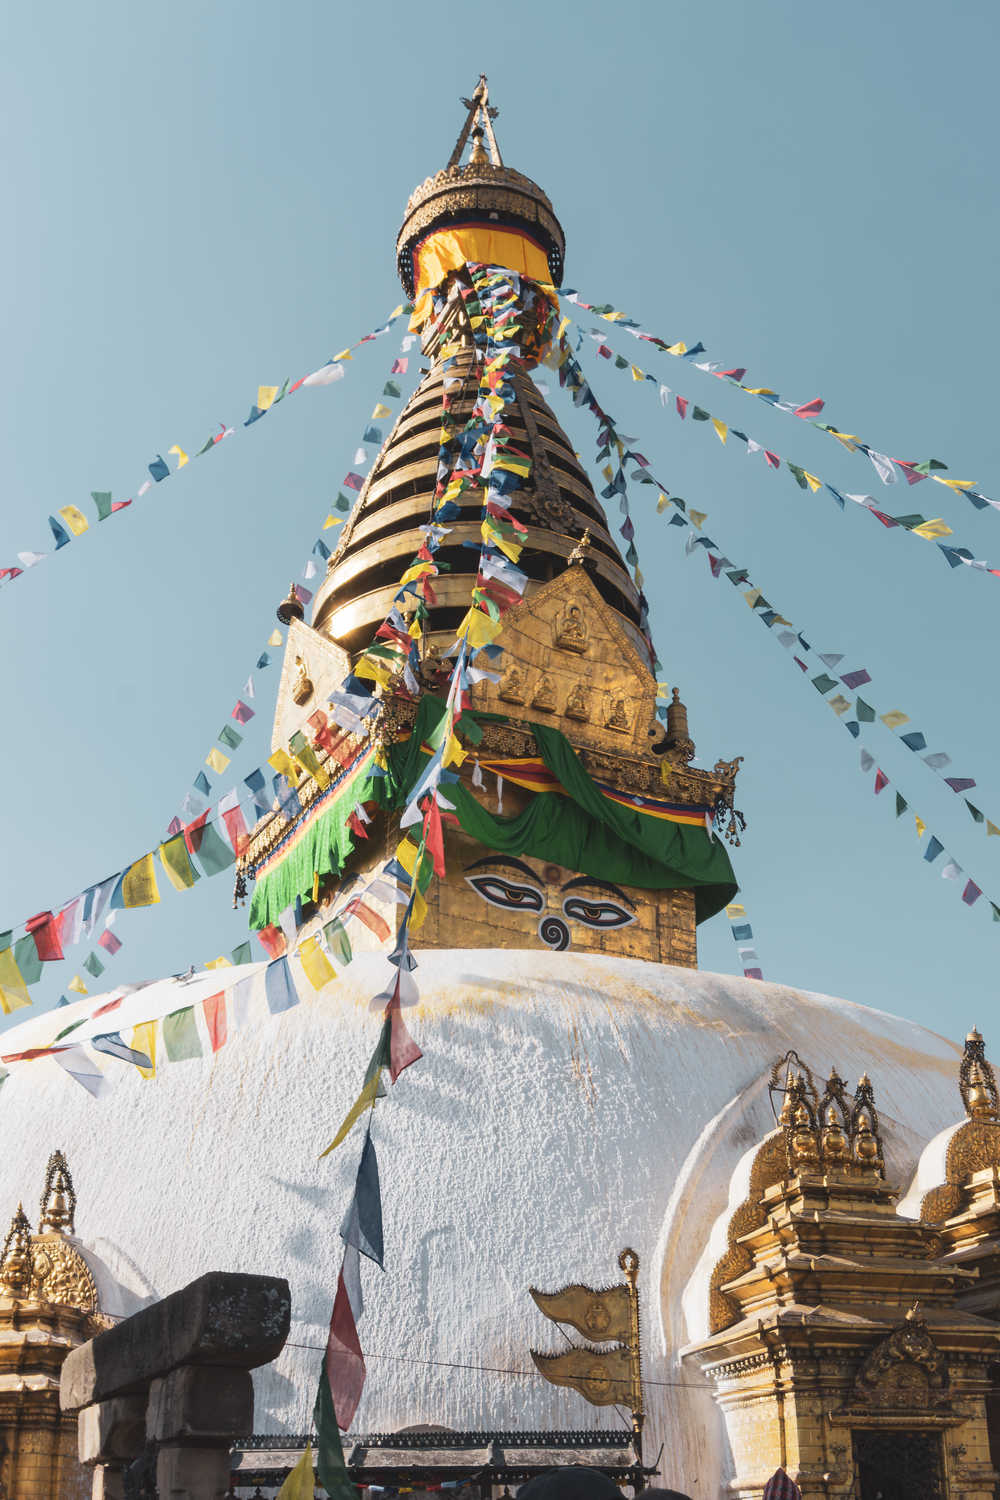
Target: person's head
{"type": "Point", "coordinates": [570, 1484]}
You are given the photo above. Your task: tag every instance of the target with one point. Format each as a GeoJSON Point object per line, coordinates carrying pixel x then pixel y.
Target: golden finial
{"type": "Point", "coordinates": [835, 1144]}
{"type": "Point", "coordinates": [477, 156]}
{"type": "Point", "coordinates": [291, 608]}
{"type": "Point", "coordinates": [976, 1080]}
{"type": "Point", "coordinates": [16, 1262]}
{"type": "Point", "coordinates": [478, 122]}
{"type": "Point", "coordinates": [58, 1207]}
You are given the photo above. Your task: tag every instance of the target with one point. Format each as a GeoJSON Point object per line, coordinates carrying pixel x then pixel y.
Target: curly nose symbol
{"type": "Point", "coordinates": [554, 933]}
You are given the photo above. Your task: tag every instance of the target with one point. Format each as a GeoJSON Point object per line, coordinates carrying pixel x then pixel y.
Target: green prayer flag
{"type": "Point", "coordinates": [214, 854]}
{"type": "Point", "coordinates": [242, 954]}
{"type": "Point", "coordinates": [180, 1034]}
{"type": "Point", "coordinates": [901, 805]}
{"type": "Point", "coordinates": [864, 711]}
{"type": "Point", "coordinates": [228, 736]}
{"type": "Point", "coordinates": [620, 364]}
{"type": "Point", "coordinates": [700, 414]}
{"type": "Point", "coordinates": [977, 816]}
{"type": "Point", "coordinates": [27, 960]}
{"type": "Point", "coordinates": [5, 938]}
{"type": "Point", "coordinates": [996, 912]}
{"type": "Point", "coordinates": [800, 475]}
{"type": "Point", "coordinates": [338, 941]}
{"type": "Point", "coordinates": [342, 502]}
{"type": "Point", "coordinates": [330, 1466]}
{"type": "Point", "coordinates": [391, 389]}
{"type": "Point", "coordinates": [102, 499]}
{"type": "Point", "coordinates": [824, 683]}
{"type": "Point", "coordinates": [93, 965]}
{"type": "Point", "coordinates": [176, 862]}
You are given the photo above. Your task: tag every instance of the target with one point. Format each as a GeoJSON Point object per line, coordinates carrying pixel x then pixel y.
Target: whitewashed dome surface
{"type": "Point", "coordinates": [566, 1106]}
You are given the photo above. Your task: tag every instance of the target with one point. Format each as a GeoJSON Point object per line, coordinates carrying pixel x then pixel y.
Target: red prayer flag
{"type": "Point", "coordinates": [242, 713]}
{"type": "Point", "coordinates": [403, 1050]}
{"type": "Point", "coordinates": [103, 1009]}
{"type": "Point", "coordinates": [194, 831]}
{"type": "Point", "coordinates": [109, 942]}
{"type": "Point", "coordinates": [736, 374]}
{"type": "Point", "coordinates": [272, 940]}
{"type": "Point", "coordinates": [356, 826]}
{"type": "Point", "coordinates": [682, 406]}
{"type": "Point", "coordinates": [810, 408]}
{"type": "Point", "coordinates": [47, 933]}
{"type": "Point", "coordinates": [366, 914]}
{"type": "Point", "coordinates": [434, 836]}
{"type": "Point", "coordinates": [773, 460]}
{"type": "Point", "coordinates": [353, 481]}
{"type": "Point", "coordinates": [344, 1362]}
{"type": "Point", "coordinates": [215, 1020]}
{"type": "Point", "coordinates": [235, 826]}
{"type": "Point", "coordinates": [881, 781]}
{"type": "Point", "coordinates": [971, 894]}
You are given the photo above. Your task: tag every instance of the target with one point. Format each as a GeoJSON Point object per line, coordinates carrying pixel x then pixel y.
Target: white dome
{"type": "Point", "coordinates": [566, 1106]}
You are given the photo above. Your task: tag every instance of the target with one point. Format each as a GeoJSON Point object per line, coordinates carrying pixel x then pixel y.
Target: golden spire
{"type": "Point", "coordinates": [479, 122]}
{"type": "Point", "coordinates": [976, 1080]}
{"type": "Point", "coordinates": [58, 1207]}
{"type": "Point", "coordinates": [16, 1262]}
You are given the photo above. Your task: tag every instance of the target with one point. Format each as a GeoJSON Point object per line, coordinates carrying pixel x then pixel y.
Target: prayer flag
{"type": "Point", "coordinates": [330, 1466]}
{"type": "Point", "coordinates": [272, 940]}
{"type": "Point", "coordinates": [177, 864]}
{"type": "Point", "coordinates": [914, 740]}
{"type": "Point", "coordinates": [137, 885]}
{"type": "Point", "coordinates": [971, 894]}
{"type": "Point", "coordinates": [143, 1039]}
{"type": "Point", "coordinates": [331, 520]}
{"type": "Point", "coordinates": [299, 1483]}
{"type": "Point", "coordinates": [881, 781]}
{"type": "Point", "coordinates": [921, 826]}
{"type": "Point", "coordinates": [229, 737]}
{"type": "Point", "coordinates": [344, 1363]}
{"type": "Point", "coordinates": [214, 1008]}
{"type": "Point", "coordinates": [934, 848]}
{"type": "Point", "coordinates": [216, 760]}
{"type": "Point", "coordinates": [82, 1070]}
{"type": "Point", "coordinates": [202, 784]}
{"type": "Point", "coordinates": [403, 1050]}
{"type": "Point", "coordinates": [182, 457]}
{"type": "Point", "coordinates": [266, 395]}
{"type": "Point", "coordinates": [242, 954]}
{"type": "Point", "coordinates": [854, 680]}
{"type": "Point", "coordinates": [242, 713]}
{"type": "Point", "coordinates": [365, 1100]}
{"type": "Point", "coordinates": [232, 816]}
{"type": "Point", "coordinates": [180, 1034]}
{"type": "Point", "coordinates": [77, 985]}
{"type": "Point", "coordinates": [13, 990]}
{"type": "Point", "coordinates": [894, 718]}
{"type": "Point", "coordinates": [222, 962]}
{"type": "Point", "coordinates": [109, 942]}
{"type": "Point", "coordinates": [214, 854]}
{"type": "Point", "coordinates": [75, 519]}
{"type": "Point", "coordinates": [46, 931]}
{"type": "Point", "coordinates": [93, 965]}
{"type": "Point", "coordinates": [279, 987]}
{"type": "Point", "coordinates": [102, 499]}
{"type": "Point", "coordinates": [60, 534]}
{"type": "Point", "coordinates": [114, 1046]}
{"type": "Point", "coordinates": [159, 469]}
{"type": "Point", "coordinates": [338, 941]}
{"type": "Point", "coordinates": [317, 967]}
{"type": "Point", "coordinates": [362, 1226]}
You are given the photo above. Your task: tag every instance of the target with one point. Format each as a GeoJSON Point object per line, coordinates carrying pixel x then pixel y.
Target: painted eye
{"type": "Point", "coordinates": [603, 914]}
{"type": "Point", "coordinates": [508, 894]}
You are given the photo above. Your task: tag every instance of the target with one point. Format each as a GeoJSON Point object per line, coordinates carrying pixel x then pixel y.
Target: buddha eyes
{"type": "Point", "coordinates": [601, 914]}
{"type": "Point", "coordinates": [507, 894]}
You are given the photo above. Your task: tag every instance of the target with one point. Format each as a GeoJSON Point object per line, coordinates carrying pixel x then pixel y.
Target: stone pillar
{"type": "Point", "coordinates": [174, 1379]}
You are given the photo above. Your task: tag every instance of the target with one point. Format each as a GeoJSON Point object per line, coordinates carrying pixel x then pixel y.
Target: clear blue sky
{"type": "Point", "coordinates": [203, 198]}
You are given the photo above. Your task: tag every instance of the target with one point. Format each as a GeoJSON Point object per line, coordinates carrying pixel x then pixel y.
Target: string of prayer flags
{"type": "Point", "coordinates": [912, 470]}
{"type": "Point", "coordinates": [72, 521]}
{"type": "Point", "coordinates": [743, 938]}
{"type": "Point", "coordinates": [931, 529]}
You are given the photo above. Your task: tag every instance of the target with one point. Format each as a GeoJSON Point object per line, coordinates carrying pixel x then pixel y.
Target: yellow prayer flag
{"type": "Point", "coordinates": [956, 484]}
{"type": "Point", "coordinates": [373, 671]}
{"type": "Point", "coordinates": [396, 311]}
{"type": "Point", "coordinates": [266, 395]}
{"type": "Point", "coordinates": [722, 428]}
{"type": "Point", "coordinates": [846, 439]}
{"type": "Point", "coordinates": [75, 519]}
{"type": "Point", "coordinates": [364, 1101]}
{"type": "Point", "coordinates": [406, 853]}
{"type": "Point", "coordinates": [608, 472]}
{"type": "Point", "coordinates": [216, 760]}
{"type": "Point", "coordinates": [479, 628]}
{"type": "Point", "coordinates": [662, 689]}
{"type": "Point", "coordinates": [139, 886]}
{"type": "Point", "coordinates": [77, 985]}
{"type": "Point", "coordinates": [677, 349]}
{"type": "Point", "coordinates": [894, 718]}
{"type": "Point", "coordinates": [735, 910]}
{"type": "Point", "coordinates": [13, 990]}
{"type": "Point", "coordinates": [282, 762]}
{"type": "Point", "coordinates": [418, 911]}
{"type": "Point", "coordinates": [182, 457]}
{"type": "Point", "coordinates": [220, 963]}
{"type": "Point", "coordinates": [760, 390]}
{"type": "Point", "coordinates": [344, 354]}
{"type": "Point", "coordinates": [991, 829]}
{"type": "Point", "coordinates": [932, 529]}
{"type": "Point", "coordinates": [143, 1039]}
{"type": "Point", "coordinates": [839, 704]}
{"type": "Point", "coordinates": [562, 329]}
{"type": "Point", "coordinates": [780, 620]}
{"type": "Point", "coordinates": [638, 374]}
{"type": "Point", "coordinates": [454, 755]}
{"type": "Point", "coordinates": [811, 480]}
{"type": "Point", "coordinates": [612, 317]}
{"type": "Point", "coordinates": [921, 826]}
{"type": "Point", "coordinates": [299, 1484]}
{"type": "Point", "coordinates": [662, 502]}
{"type": "Point", "coordinates": [751, 596]}
{"type": "Point", "coordinates": [381, 412]}
{"type": "Point", "coordinates": [275, 638]}
{"type": "Point", "coordinates": [317, 967]}
{"type": "Point", "coordinates": [332, 520]}
{"type": "Point", "coordinates": [698, 518]}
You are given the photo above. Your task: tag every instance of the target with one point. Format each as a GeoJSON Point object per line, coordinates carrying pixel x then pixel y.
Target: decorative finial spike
{"type": "Point", "coordinates": [16, 1261]}
{"type": "Point", "coordinates": [977, 1081]}
{"type": "Point", "coordinates": [58, 1206]}
{"type": "Point", "coordinates": [478, 122]}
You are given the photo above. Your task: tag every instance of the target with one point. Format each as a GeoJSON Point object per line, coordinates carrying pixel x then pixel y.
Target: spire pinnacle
{"type": "Point", "coordinates": [478, 122]}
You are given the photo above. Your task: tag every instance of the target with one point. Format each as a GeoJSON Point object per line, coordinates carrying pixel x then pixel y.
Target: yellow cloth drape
{"type": "Point", "coordinates": [447, 249]}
